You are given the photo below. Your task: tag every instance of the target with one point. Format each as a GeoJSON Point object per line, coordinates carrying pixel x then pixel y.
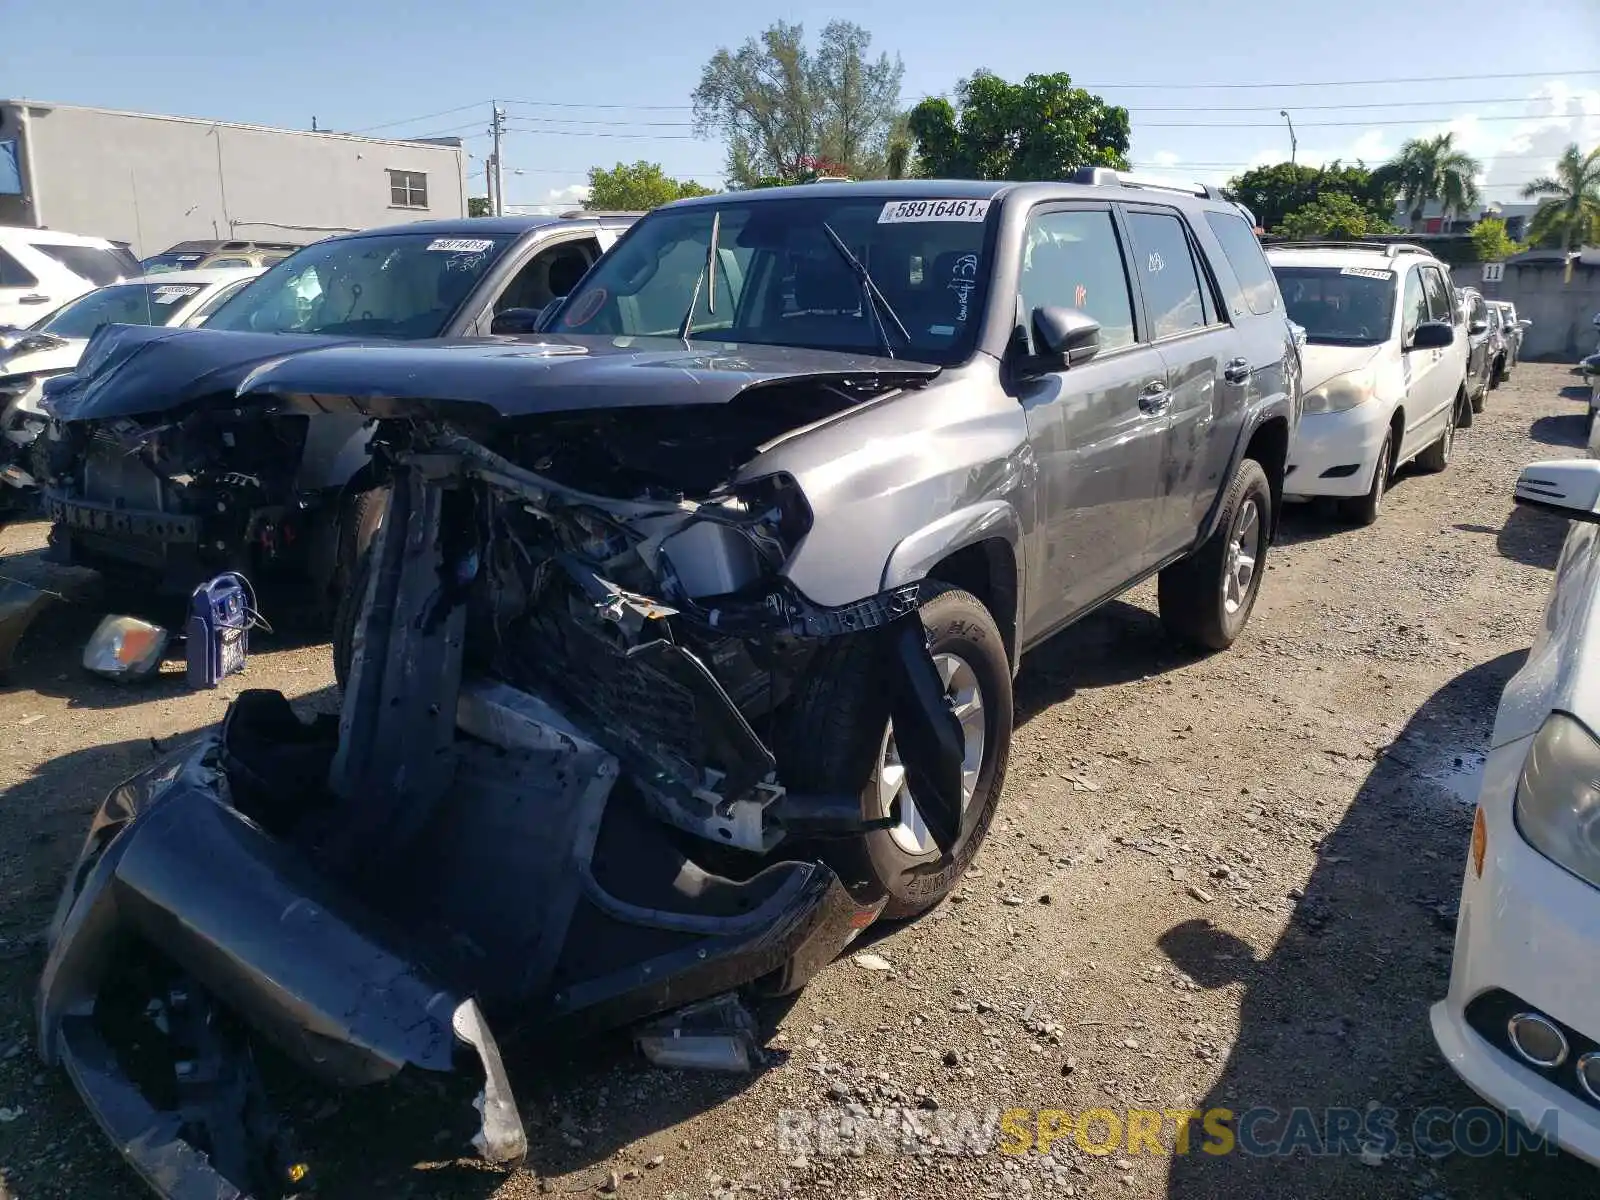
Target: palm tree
{"type": "Point", "coordinates": [1429, 169]}
{"type": "Point", "coordinates": [1569, 205]}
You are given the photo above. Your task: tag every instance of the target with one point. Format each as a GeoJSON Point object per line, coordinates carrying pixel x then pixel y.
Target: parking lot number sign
{"type": "Point", "coordinates": [1494, 272]}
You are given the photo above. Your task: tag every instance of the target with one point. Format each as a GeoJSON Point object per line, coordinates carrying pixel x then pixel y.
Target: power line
{"type": "Point", "coordinates": [1184, 164]}
{"type": "Point", "coordinates": [1342, 82]}
{"type": "Point", "coordinates": [424, 117]}
{"type": "Point", "coordinates": [1337, 124]}
{"type": "Point", "coordinates": [669, 137]}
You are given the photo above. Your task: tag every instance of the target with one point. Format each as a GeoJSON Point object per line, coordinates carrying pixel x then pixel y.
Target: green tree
{"type": "Point", "coordinates": [1273, 192]}
{"type": "Point", "coordinates": [1041, 128]}
{"type": "Point", "coordinates": [1568, 215]}
{"type": "Point", "coordinates": [1429, 169]}
{"type": "Point", "coordinates": [1491, 241]}
{"type": "Point", "coordinates": [637, 187]}
{"type": "Point", "coordinates": [477, 206]}
{"type": "Point", "coordinates": [1332, 215]}
{"type": "Point", "coordinates": [782, 108]}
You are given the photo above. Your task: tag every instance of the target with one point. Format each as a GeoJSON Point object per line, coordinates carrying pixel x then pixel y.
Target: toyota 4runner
{"type": "Point", "coordinates": [684, 649]}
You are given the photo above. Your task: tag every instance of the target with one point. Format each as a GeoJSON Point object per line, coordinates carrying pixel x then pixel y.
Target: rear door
{"type": "Point", "coordinates": [1096, 429]}
{"type": "Point", "coordinates": [1206, 377]}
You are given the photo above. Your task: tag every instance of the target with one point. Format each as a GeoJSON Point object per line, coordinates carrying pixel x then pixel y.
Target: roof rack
{"type": "Point", "coordinates": [1387, 249]}
{"type": "Point", "coordinates": [1109, 177]}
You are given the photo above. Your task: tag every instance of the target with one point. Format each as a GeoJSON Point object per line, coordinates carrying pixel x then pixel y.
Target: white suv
{"type": "Point", "coordinates": [1385, 367]}
{"type": "Point", "coordinates": [41, 269]}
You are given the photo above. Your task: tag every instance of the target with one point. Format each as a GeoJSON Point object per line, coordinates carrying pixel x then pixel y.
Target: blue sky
{"type": "Point", "coordinates": [359, 64]}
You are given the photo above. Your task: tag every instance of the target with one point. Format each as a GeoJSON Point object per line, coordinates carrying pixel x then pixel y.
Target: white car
{"type": "Point", "coordinates": [1521, 1021]}
{"type": "Point", "coordinates": [41, 269]}
{"type": "Point", "coordinates": [1385, 368]}
{"type": "Point", "coordinates": [53, 345]}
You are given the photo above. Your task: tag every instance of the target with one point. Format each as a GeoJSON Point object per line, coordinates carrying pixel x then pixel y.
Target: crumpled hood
{"type": "Point", "coordinates": [548, 373]}
{"type": "Point", "coordinates": [130, 370]}
{"type": "Point", "coordinates": [1321, 363]}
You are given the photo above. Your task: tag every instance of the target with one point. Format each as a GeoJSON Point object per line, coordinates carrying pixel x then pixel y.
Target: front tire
{"type": "Point", "coordinates": [1437, 456]}
{"type": "Point", "coordinates": [828, 746]}
{"type": "Point", "coordinates": [1364, 510]}
{"type": "Point", "coordinates": [1206, 598]}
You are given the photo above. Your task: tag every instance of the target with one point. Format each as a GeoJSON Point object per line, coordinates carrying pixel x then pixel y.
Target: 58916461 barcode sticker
{"type": "Point", "coordinates": [899, 212]}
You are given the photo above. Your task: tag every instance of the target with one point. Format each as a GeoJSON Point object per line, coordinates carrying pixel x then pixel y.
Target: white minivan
{"type": "Point", "coordinates": [1385, 367]}
{"type": "Point", "coordinates": [41, 269]}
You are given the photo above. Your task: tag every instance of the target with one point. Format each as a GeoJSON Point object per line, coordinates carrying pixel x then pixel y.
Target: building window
{"type": "Point", "coordinates": [408, 189]}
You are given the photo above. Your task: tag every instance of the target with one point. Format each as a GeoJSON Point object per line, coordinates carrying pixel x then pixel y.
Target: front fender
{"type": "Point", "coordinates": [919, 551]}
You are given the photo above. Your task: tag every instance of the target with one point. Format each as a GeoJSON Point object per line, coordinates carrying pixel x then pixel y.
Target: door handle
{"type": "Point", "coordinates": [34, 298]}
{"type": "Point", "coordinates": [1237, 370]}
{"type": "Point", "coordinates": [1155, 398]}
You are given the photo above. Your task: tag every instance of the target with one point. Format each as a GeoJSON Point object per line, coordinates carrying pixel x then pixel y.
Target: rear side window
{"type": "Point", "coordinates": [14, 274]}
{"type": "Point", "coordinates": [1167, 273]}
{"type": "Point", "coordinates": [1243, 250]}
{"type": "Point", "coordinates": [1072, 259]}
{"type": "Point", "coordinates": [1416, 304]}
{"type": "Point", "coordinates": [1439, 299]}
{"type": "Point", "coordinates": [97, 265]}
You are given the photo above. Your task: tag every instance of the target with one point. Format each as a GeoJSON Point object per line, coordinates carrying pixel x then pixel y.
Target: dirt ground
{"type": "Point", "coordinates": [1222, 882]}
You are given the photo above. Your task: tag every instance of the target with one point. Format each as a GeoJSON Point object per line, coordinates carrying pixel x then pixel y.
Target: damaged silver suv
{"type": "Point", "coordinates": [684, 649]}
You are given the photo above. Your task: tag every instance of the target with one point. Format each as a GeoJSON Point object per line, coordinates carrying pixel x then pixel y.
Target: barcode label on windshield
{"type": "Point", "coordinates": [171, 293]}
{"type": "Point", "coordinates": [898, 212]}
{"type": "Point", "coordinates": [1368, 272]}
{"type": "Point", "coordinates": [461, 245]}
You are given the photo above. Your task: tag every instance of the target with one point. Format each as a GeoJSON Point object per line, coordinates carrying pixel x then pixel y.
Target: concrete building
{"type": "Point", "coordinates": [1562, 308]}
{"type": "Point", "coordinates": [152, 180]}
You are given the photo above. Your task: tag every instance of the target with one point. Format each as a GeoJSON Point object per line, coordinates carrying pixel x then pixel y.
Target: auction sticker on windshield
{"type": "Point", "coordinates": [1367, 272]}
{"type": "Point", "coordinates": [898, 212]}
{"type": "Point", "coordinates": [171, 293]}
{"type": "Point", "coordinates": [461, 245]}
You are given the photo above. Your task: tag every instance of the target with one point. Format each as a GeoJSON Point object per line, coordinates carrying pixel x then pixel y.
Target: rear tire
{"type": "Point", "coordinates": [1206, 598]}
{"type": "Point", "coordinates": [345, 615]}
{"type": "Point", "coordinates": [1364, 510]}
{"type": "Point", "coordinates": [827, 746]}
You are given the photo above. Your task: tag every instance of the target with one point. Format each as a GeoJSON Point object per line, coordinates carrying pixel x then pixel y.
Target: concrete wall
{"type": "Point", "coordinates": [1561, 312]}
{"type": "Point", "coordinates": [152, 181]}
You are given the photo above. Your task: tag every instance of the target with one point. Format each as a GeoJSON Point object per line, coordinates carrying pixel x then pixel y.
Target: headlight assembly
{"type": "Point", "coordinates": [1558, 797]}
{"type": "Point", "coordinates": [1341, 393]}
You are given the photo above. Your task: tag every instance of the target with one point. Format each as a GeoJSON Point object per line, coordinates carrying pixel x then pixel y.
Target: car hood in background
{"type": "Point", "coordinates": [63, 356]}
{"type": "Point", "coordinates": [1321, 362]}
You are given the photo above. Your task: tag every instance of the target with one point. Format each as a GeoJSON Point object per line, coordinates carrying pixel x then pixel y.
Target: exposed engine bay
{"type": "Point", "coordinates": [574, 783]}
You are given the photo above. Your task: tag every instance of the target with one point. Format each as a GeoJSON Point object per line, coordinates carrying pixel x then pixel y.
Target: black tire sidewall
{"type": "Point", "coordinates": [1251, 482]}
{"type": "Point", "coordinates": [956, 623]}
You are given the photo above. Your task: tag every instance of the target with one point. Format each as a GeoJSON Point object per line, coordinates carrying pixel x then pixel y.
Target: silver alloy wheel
{"type": "Point", "coordinates": [964, 694]}
{"type": "Point", "coordinates": [1244, 548]}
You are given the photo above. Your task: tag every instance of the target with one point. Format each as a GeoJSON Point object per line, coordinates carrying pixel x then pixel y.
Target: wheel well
{"type": "Point", "coordinates": [1269, 446]}
{"type": "Point", "coordinates": [1397, 430]}
{"type": "Point", "coordinates": [987, 569]}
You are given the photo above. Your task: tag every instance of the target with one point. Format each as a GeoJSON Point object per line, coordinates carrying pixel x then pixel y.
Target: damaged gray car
{"type": "Point", "coordinates": [684, 649]}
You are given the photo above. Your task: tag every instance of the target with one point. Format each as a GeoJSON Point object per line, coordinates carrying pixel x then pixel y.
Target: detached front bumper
{"type": "Point", "coordinates": [171, 866]}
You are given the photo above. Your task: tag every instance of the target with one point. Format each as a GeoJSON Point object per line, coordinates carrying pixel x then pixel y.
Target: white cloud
{"type": "Point", "coordinates": [555, 200]}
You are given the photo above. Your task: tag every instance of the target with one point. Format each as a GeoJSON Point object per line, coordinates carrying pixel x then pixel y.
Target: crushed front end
{"type": "Point", "coordinates": [566, 791]}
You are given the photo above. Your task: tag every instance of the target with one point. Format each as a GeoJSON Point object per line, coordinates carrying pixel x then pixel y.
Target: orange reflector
{"type": "Point", "coordinates": [1480, 841]}
{"type": "Point", "coordinates": [136, 644]}
{"type": "Point", "coordinates": [298, 1172]}
{"type": "Point", "coordinates": [866, 916]}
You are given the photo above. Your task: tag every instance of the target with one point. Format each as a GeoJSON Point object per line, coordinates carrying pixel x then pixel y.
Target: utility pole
{"type": "Point", "coordinates": [497, 179]}
{"type": "Point", "coordinates": [1294, 146]}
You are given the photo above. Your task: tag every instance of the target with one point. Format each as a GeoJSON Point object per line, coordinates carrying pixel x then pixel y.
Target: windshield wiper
{"type": "Point", "coordinates": [708, 276]}
{"type": "Point", "coordinates": [874, 298]}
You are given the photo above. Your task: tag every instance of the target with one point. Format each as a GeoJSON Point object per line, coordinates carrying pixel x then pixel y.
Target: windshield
{"type": "Point", "coordinates": [781, 281]}
{"type": "Point", "coordinates": [188, 260]}
{"type": "Point", "coordinates": [1339, 305]}
{"type": "Point", "coordinates": [401, 285]}
{"type": "Point", "coordinates": [120, 304]}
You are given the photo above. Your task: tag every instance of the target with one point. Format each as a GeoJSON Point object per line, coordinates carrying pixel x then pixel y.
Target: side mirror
{"type": "Point", "coordinates": [549, 311]}
{"type": "Point", "coordinates": [1432, 335]}
{"type": "Point", "coordinates": [1524, 323]}
{"type": "Point", "coordinates": [1478, 327]}
{"type": "Point", "coordinates": [516, 320]}
{"type": "Point", "coordinates": [1569, 486]}
{"type": "Point", "coordinates": [1066, 333]}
